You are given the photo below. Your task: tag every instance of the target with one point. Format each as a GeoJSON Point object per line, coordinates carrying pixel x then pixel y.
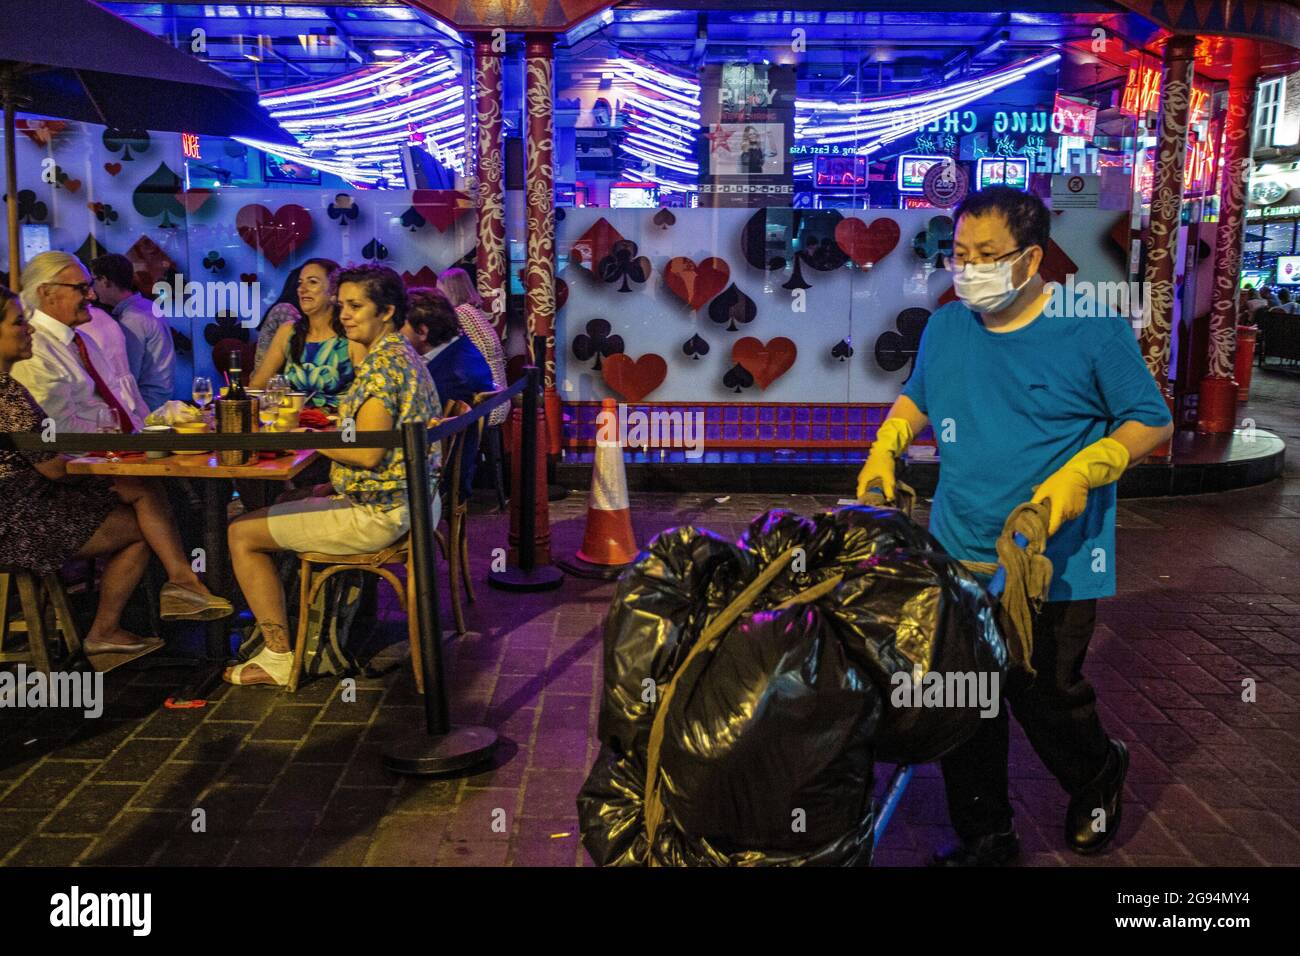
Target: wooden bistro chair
{"type": "Point", "coordinates": [316, 568]}
{"type": "Point", "coordinates": [45, 609]}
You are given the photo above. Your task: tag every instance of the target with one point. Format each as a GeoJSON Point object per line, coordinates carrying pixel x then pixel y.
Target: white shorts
{"type": "Point", "coordinates": [338, 525]}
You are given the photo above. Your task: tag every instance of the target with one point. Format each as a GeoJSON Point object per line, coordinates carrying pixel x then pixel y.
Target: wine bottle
{"type": "Point", "coordinates": [236, 392]}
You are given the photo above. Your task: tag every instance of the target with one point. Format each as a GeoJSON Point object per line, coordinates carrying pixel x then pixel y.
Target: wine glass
{"type": "Point", "coordinates": [278, 383]}
{"type": "Point", "coordinates": [268, 407]}
{"type": "Point", "coordinates": [202, 391]}
{"type": "Point", "coordinates": [106, 423]}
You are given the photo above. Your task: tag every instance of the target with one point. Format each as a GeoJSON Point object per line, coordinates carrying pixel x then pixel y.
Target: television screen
{"type": "Point", "coordinates": [1288, 270]}
{"type": "Point", "coordinates": [276, 169]}
{"type": "Point", "coordinates": [1003, 171]}
{"type": "Point", "coordinates": [1255, 278]}
{"type": "Point", "coordinates": [633, 195]}
{"type": "Point", "coordinates": [839, 172]}
{"type": "Point", "coordinates": [912, 168]}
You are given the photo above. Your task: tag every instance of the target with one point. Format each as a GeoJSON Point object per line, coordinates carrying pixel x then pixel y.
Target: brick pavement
{"type": "Point", "coordinates": [1210, 587]}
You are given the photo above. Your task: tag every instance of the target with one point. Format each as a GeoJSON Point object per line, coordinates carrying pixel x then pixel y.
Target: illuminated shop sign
{"type": "Point", "coordinates": [1003, 171]}
{"type": "Point", "coordinates": [1074, 118]}
{"type": "Point", "coordinates": [1142, 94]}
{"type": "Point", "coordinates": [190, 145]}
{"type": "Point", "coordinates": [1277, 212]}
{"type": "Point", "coordinates": [912, 168]}
{"type": "Point", "coordinates": [831, 172]}
{"type": "Point", "coordinates": [1067, 118]}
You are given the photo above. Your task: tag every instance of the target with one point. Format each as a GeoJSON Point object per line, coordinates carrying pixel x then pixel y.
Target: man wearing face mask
{"type": "Point", "coordinates": [1028, 405]}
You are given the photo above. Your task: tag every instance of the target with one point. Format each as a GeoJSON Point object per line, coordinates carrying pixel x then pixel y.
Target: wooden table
{"type": "Point", "coordinates": [216, 498]}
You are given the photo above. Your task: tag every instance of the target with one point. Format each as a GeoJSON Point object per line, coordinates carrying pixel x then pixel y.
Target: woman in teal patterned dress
{"type": "Point", "coordinates": [312, 352]}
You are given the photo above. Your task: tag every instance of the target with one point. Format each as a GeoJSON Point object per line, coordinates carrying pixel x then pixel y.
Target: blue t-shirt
{"type": "Point", "coordinates": [1010, 408]}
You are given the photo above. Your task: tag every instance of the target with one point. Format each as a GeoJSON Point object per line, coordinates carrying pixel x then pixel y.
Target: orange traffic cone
{"type": "Point", "coordinates": [608, 546]}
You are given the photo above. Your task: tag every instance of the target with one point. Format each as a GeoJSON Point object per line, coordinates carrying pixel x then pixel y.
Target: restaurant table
{"type": "Point", "coordinates": [216, 498]}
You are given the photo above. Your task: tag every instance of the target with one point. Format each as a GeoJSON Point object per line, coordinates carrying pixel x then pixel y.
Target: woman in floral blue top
{"type": "Point", "coordinates": [363, 508]}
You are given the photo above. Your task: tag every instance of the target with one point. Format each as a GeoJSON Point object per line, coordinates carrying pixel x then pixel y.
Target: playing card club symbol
{"type": "Point", "coordinates": [226, 327]}
{"type": "Point", "coordinates": [594, 245]}
{"type": "Point", "coordinates": [597, 342]}
{"type": "Point", "coordinates": [732, 306]}
{"type": "Point", "coordinates": [412, 220]}
{"type": "Point", "coordinates": [156, 196]}
{"type": "Point", "coordinates": [934, 240]}
{"type": "Point", "coordinates": [213, 262]}
{"type": "Point", "coordinates": [663, 219]}
{"type": "Point", "coordinates": [343, 209]}
{"type": "Point", "coordinates": [696, 284]}
{"type": "Point", "coordinates": [896, 349]}
{"type": "Point", "coordinates": [623, 264]}
{"type": "Point", "coordinates": [61, 178]}
{"type": "Point", "coordinates": [695, 347]}
{"type": "Point", "coordinates": [112, 168]}
{"type": "Point", "coordinates": [842, 350]}
{"type": "Point", "coordinates": [118, 140]}
{"type": "Point", "coordinates": [767, 362]}
{"type": "Point", "coordinates": [775, 238]}
{"type": "Point", "coordinates": [104, 212]}
{"type": "Point", "coordinates": [277, 234]}
{"type": "Point", "coordinates": [30, 209]}
{"type": "Point", "coordinates": [248, 277]}
{"type": "Point", "coordinates": [635, 379]}
{"type": "Point", "coordinates": [375, 250]}
{"type": "Point", "coordinates": [559, 215]}
{"type": "Point", "coordinates": [866, 245]}
{"type": "Point", "coordinates": [737, 378]}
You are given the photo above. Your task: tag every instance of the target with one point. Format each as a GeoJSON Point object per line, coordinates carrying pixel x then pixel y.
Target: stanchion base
{"type": "Point", "coordinates": [425, 756]}
{"type": "Point", "coordinates": [585, 569]}
{"type": "Point", "coordinates": [556, 492]}
{"type": "Point", "coordinates": [545, 577]}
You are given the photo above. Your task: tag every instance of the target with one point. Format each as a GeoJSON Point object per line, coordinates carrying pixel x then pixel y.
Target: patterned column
{"type": "Point", "coordinates": [1235, 165]}
{"type": "Point", "coordinates": [539, 186]}
{"type": "Point", "coordinates": [1167, 203]}
{"type": "Point", "coordinates": [493, 284]}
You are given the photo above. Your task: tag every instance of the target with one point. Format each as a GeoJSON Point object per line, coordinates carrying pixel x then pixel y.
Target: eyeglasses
{"type": "Point", "coordinates": [83, 288]}
{"type": "Point", "coordinates": [957, 263]}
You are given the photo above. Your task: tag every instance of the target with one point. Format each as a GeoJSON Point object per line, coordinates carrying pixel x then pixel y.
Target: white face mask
{"type": "Point", "coordinates": [987, 286]}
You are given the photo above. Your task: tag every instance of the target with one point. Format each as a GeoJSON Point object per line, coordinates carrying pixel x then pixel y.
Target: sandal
{"type": "Point", "coordinates": [275, 666]}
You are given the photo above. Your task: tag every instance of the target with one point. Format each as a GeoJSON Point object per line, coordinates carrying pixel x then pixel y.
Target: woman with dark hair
{"type": "Point", "coordinates": [282, 310]}
{"type": "Point", "coordinates": [48, 519]}
{"type": "Point", "coordinates": [363, 508]}
{"type": "Point", "coordinates": [312, 352]}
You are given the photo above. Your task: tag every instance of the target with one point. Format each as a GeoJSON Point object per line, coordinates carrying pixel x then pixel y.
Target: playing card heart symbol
{"type": "Point", "coordinates": [767, 362]}
{"type": "Point", "coordinates": [696, 284]}
{"type": "Point", "coordinates": [634, 379]}
{"type": "Point", "coordinates": [663, 219]}
{"type": "Point", "coordinates": [194, 199]}
{"type": "Point", "coordinates": [72, 185]}
{"type": "Point", "coordinates": [276, 234]}
{"type": "Point", "coordinates": [112, 168]}
{"type": "Point", "coordinates": [867, 245]}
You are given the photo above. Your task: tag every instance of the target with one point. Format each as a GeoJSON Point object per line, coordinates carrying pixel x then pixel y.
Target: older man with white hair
{"type": "Point", "coordinates": [68, 374]}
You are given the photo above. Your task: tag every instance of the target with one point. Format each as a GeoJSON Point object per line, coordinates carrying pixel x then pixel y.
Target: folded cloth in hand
{"type": "Point", "coordinates": [174, 412]}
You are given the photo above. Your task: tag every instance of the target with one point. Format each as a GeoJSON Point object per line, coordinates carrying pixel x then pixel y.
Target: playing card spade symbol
{"type": "Point", "coordinates": [30, 209]}
{"type": "Point", "coordinates": [695, 347]}
{"type": "Point", "coordinates": [375, 250]}
{"type": "Point", "coordinates": [732, 306]}
{"type": "Point", "coordinates": [213, 262]}
{"type": "Point", "coordinates": [156, 196]}
{"type": "Point", "coordinates": [737, 379]}
{"type": "Point", "coordinates": [896, 349]}
{"type": "Point", "coordinates": [624, 264]}
{"type": "Point", "coordinates": [597, 342]}
{"type": "Point", "coordinates": [412, 219]}
{"type": "Point", "coordinates": [118, 140]}
{"type": "Point", "coordinates": [663, 219]}
{"type": "Point", "coordinates": [843, 349]}
{"type": "Point", "coordinates": [343, 209]}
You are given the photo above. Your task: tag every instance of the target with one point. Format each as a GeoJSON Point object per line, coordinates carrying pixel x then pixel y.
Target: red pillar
{"type": "Point", "coordinates": [1217, 404]}
{"type": "Point", "coordinates": [1166, 213]}
{"type": "Point", "coordinates": [539, 61]}
{"type": "Point", "coordinates": [491, 255]}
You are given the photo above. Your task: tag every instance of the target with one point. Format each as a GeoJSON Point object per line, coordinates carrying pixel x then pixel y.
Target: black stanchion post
{"type": "Point", "coordinates": [443, 749]}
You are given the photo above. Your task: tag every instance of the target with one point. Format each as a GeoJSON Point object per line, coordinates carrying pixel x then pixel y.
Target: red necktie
{"type": "Point", "coordinates": [102, 390]}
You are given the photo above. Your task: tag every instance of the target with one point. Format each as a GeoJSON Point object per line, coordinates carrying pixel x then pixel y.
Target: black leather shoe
{"type": "Point", "coordinates": [996, 849]}
{"type": "Point", "coordinates": [1105, 793]}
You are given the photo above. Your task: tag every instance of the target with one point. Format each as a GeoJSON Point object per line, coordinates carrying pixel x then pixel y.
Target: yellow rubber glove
{"type": "Point", "coordinates": [1066, 491]}
{"type": "Point", "coordinates": [892, 439]}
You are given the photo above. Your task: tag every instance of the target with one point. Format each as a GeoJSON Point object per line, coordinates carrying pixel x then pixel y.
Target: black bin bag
{"type": "Point", "coordinates": [768, 736]}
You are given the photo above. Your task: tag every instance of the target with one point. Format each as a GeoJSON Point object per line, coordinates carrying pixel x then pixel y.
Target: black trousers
{"type": "Point", "coordinates": [1058, 712]}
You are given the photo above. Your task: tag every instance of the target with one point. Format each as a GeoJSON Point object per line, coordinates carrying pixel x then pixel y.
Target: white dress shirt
{"type": "Point", "coordinates": [149, 349]}
{"type": "Point", "coordinates": [55, 377]}
{"type": "Point", "coordinates": [114, 343]}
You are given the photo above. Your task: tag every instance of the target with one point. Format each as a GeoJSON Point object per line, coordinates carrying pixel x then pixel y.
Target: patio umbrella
{"type": "Point", "coordinates": [74, 60]}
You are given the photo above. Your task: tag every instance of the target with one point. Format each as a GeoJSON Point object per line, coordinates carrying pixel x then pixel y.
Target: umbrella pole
{"type": "Point", "coordinates": [11, 174]}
